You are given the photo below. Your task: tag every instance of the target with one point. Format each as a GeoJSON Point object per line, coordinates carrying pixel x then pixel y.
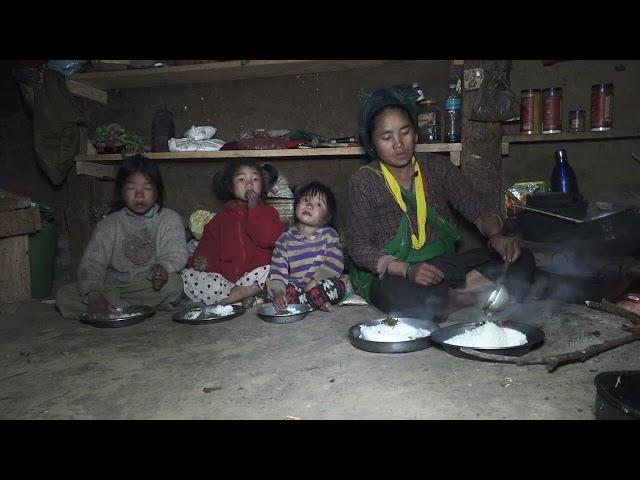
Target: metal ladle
{"type": "Point", "coordinates": [500, 296]}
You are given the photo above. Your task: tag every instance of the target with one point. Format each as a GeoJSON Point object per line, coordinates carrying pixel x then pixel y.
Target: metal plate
{"type": "Point", "coordinates": [393, 347]}
{"type": "Point", "coordinates": [618, 395]}
{"type": "Point", "coordinates": [269, 313]}
{"type": "Point", "coordinates": [206, 316]}
{"type": "Point", "coordinates": [140, 313]}
{"type": "Point", "coordinates": [534, 336]}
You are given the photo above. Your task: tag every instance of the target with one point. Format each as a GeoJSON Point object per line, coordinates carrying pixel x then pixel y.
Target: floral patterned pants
{"type": "Point", "coordinates": [330, 290]}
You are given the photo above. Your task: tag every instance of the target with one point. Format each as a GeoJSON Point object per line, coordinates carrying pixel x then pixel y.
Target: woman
{"type": "Point", "coordinates": [401, 231]}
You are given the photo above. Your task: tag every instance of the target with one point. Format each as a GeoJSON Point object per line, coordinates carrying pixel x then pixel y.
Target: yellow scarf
{"type": "Point", "coordinates": [421, 200]}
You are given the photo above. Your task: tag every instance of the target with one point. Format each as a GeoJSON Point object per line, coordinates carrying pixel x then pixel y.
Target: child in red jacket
{"type": "Point", "coordinates": [231, 262]}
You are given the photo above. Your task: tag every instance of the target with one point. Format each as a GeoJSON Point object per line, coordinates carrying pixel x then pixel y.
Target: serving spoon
{"type": "Point", "coordinates": [499, 296]}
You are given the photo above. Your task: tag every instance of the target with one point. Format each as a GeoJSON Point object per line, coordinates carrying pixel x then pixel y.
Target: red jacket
{"type": "Point", "coordinates": [239, 239]}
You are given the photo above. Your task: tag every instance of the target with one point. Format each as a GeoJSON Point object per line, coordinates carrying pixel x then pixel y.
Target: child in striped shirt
{"type": "Point", "coordinates": [307, 260]}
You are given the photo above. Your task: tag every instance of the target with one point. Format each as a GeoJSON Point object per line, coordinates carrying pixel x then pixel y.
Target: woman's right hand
{"type": "Point", "coordinates": [199, 262]}
{"type": "Point", "coordinates": [280, 300]}
{"type": "Point", "coordinates": [99, 307]}
{"type": "Point", "coordinates": [424, 273]}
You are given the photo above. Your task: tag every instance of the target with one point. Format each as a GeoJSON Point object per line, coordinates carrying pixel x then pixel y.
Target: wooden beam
{"type": "Point", "coordinates": [7, 204]}
{"type": "Point", "coordinates": [19, 222]}
{"type": "Point", "coordinates": [87, 91]}
{"type": "Point", "coordinates": [15, 280]}
{"type": "Point", "coordinates": [291, 152]}
{"type": "Point", "coordinates": [228, 70]}
{"type": "Point", "coordinates": [96, 170]}
{"type": "Point", "coordinates": [572, 137]}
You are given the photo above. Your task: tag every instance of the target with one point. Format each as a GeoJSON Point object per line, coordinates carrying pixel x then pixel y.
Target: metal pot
{"type": "Point", "coordinates": [615, 232]}
{"type": "Point", "coordinates": [573, 284]}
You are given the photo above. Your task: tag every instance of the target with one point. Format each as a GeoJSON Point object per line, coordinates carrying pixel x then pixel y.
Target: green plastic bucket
{"type": "Point", "coordinates": [42, 255]}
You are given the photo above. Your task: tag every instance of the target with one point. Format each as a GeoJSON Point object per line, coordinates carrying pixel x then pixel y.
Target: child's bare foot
{"type": "Point", "coordinates": [248, 302]}
{"type": "Point", "coordinates": [326, 307]}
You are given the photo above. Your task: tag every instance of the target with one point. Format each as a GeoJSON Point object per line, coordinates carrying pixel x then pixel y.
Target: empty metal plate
{"type": "Point", "coordinates": [269, 313]}
{"type": "Point", "coordinates": [126, 316]}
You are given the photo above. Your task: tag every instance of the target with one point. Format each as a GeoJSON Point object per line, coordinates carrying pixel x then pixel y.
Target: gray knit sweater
{"type": "Point", "coordinates": [124, 247]}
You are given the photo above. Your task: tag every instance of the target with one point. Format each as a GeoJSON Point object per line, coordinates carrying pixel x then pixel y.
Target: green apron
{"type": "Point", "coordinates": [400, 246]}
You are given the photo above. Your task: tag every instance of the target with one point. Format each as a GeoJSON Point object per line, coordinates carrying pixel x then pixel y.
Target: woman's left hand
{"type": "Point", "coordinates": [507, 247]}
{"type": "Point", "coordinates": [160, 277]}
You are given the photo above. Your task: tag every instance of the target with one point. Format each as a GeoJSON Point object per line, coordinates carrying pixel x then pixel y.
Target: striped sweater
{"type": "Point", "coordinates": [298, 259]}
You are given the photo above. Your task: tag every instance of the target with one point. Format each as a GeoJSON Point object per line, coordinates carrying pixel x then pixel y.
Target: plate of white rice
{"type": "Point", "coordinates": [392, 335]}
{"type": "Point", "coordinates": [506, 338]}
{"type": "Point", "coordinates": [203, 314]}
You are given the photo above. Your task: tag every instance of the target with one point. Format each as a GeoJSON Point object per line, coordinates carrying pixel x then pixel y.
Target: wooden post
{"type": "Point", "coordinates": [17, 221]}
{"type": "Point", "coordinates": [15, 273]}
{"type": "Point", "coordinates": [481, 154]}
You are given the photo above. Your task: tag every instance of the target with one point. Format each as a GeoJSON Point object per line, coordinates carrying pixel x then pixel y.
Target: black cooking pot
{"type": "Point", "coordinates": [572, 284]}
{"type": "Point", "coordinates": [617, 233]}
{"type": "Point", "coordinates": [556, 200]}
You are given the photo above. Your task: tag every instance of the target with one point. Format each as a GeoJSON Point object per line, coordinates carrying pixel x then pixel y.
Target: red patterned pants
{"type": "Point", "coordinates": [329, 290]}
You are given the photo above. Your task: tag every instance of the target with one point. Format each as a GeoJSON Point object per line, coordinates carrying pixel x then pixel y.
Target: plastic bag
{"type": "Point", "coordinates": [495, 101]}
{"type": "Point", "coordinates": [198, 220]}
{"type": "Point", "coordinates": [66, 67]}
{"type": "Point", "coordinates": [201, 133]}
{"type": "Point", "coordinates": [190, 145]}
{"type": "Point", "coordinates": [522, 191]}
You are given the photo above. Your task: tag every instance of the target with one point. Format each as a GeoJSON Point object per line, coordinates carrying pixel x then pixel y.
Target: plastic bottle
{"type": "Point", "coordinates": [429, 122]}
{"type": "Point", "coordinates": [452, 116]}
{"type": "Point", "coordinates": [563, 178]}
{"type": "Point", "coordinates": [419, 92]}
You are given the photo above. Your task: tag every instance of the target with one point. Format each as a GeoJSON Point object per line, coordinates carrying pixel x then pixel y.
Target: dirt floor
{"type": "Point", "coordinates": [245, 368]}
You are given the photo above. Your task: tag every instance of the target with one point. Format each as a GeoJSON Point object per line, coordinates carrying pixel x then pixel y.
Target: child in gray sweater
{"type": "Point", "coordinates": [135, 252]}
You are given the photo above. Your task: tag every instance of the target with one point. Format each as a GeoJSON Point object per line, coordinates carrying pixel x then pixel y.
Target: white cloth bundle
{"type": "Point", "coordinates": [190, 145]}
{"type": "Point", "coordinates": [197, 139]}
{"type": "Point", "coordinates": [200, 133]}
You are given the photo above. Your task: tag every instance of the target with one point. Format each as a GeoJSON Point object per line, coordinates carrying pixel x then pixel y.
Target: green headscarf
{"type": "Point", "coordinates": [402, 96]}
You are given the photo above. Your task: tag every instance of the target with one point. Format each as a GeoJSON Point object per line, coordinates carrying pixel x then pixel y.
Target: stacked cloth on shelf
{"type": "Point", "coordinates": [197, 139]}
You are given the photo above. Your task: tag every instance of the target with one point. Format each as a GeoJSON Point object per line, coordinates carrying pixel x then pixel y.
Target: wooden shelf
{"type": "Point", "coordinates": [94, 165]}
{"type": "Point", "coordinates": [219, 71]}
{"type": "Point", "coordinates": [566, 137]}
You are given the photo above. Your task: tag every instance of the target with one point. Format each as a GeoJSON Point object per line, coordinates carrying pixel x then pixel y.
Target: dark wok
{"type": "Point", "coordinates": [617, 233]}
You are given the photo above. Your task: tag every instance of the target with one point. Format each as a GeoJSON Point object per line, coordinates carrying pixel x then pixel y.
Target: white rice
{"type": "Point", "coordinates": [401, 332]}
{"type": "Point", "coordinates": [291, 309]}
{"type": "Point", "coordinates": [489, 335]}
{"type": "Point", "coordinates": [193, 313]}
{"type": "Point", "coordinates": [221, 310]}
